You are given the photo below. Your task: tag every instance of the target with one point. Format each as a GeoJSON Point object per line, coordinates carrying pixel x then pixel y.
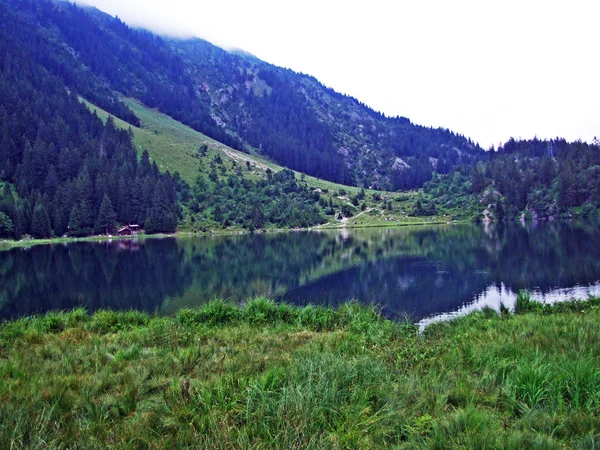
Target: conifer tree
{"type": "Point", "coordinates": [160, 217]}
{"type": "Point", "coordinates": [40, 222]}
{"type": "Point", "coordinates": [87, 217]}
{"type": "Point", "coordinates": [6, 226]}
{"type": "Point", "coordinates": [75, 222]}
{"type": "Point", "coordinates": [106, 217]}
{"type": "Point", "coordinates": [85, 189]}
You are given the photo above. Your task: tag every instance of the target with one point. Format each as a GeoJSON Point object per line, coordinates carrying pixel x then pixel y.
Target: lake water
{"type": "Point", "coordinates": [428, 273]}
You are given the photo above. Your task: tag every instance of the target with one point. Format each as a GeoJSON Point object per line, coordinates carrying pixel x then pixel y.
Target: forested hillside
{"type": "Point", "coordinates": [239, 100]}
{"type": "Point", "coordinates": [534, 178]}
{"type": "Point", "coordinates": [302, 124]}
{"type": "Point", "coordinates": [62, 170]}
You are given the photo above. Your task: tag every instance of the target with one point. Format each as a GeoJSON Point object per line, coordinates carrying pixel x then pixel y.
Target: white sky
{"type": "Point", "coordinates": [486, 69]}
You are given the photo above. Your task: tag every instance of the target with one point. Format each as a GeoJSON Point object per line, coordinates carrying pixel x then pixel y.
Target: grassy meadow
{"type": "Point", "coordinates": [277, 376]}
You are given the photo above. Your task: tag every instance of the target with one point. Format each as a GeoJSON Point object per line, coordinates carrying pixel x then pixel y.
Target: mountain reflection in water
{"type": "Point", "coordinates": [423, 272]}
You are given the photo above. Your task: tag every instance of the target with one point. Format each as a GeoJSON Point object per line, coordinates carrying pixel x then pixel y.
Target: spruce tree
{"type": "Point", "coordinates": [87, 218]}
{"type": "Point", "coordinates": [40, 222]}
{"type": "Point", "coordinates": [75, 222]}
{"type": "Point", "coordinates": [6, 226]}
{"type": "Point", "coordinates": [106, 216]}
{"type": "Point", "coordinates": [160, 217]}
{"type": "Point", "coordinates": [84, 186]}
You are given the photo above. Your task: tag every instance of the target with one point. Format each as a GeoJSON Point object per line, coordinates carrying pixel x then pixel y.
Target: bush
{"type": "Point", "coordinates": [215, 312]}
{"type": "Point", "coordinates": [108, 321]}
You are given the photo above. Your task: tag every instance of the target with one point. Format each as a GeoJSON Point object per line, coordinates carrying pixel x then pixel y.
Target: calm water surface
{"type": "Point", "coordinates": [428, 273]}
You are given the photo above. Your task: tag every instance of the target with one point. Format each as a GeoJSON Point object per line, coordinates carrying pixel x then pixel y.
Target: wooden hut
{"type": "Point", "coordinates": [129, 230]}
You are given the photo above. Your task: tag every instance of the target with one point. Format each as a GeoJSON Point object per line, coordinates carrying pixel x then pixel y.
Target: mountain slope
{"type": "Point", "coordinates": [235, 98]}
{"type": "Point", "coordinates": [535, 179]}
{"type": "Point", "coordinates": [302, 124]}
{"type": "Point", "coordinates": [178, 149]}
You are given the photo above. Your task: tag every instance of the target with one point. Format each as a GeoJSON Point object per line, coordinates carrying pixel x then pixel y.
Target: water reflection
{"type": "Point", "coordinates": [115, 275]}
{"type": "Point", "coordinates": [497, 297]}
{"type": "Point", "coordinates": [422, 272]}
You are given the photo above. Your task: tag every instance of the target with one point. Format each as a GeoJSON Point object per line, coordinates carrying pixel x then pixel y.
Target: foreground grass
{"type": "Point", "coordinates": [269, 376]}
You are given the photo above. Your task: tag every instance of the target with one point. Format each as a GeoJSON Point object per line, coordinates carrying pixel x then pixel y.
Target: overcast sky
{"type": "Point", "coordinates": [486, 69]}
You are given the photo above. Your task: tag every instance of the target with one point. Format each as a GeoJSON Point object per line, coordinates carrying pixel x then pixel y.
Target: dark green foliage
{"type": "Point", "coordinates": [86, 215]}
{"type": "Point", "coordinates": [75, 227]}
{"type": "Point", "coordinates": [538, 178]}
{"type": "Point", "coordinates": [133, 62]}
{"type": "Point", "coordinates": [424, 208]}
{"type": "Point", "coordinates": [40, 222]}
{"type": "Point", "coordinates": [58, 156]}
{"type": "Point", "coordinates": [279, 200]}
{"type": "Point", "coordinates": [348, 210]}
{"type": "Point", "coordinates": [290, 117]}
{"type": "Point", "coordinates": [305, 126]}
{"type": "Point", "coordinates": [106, 220]}
{"type": "Point", "coordinates": [7, 227]}
{"type": "Point", "coordinates": [161, 218]}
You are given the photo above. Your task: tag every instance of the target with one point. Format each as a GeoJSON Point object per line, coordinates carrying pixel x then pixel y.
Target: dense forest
{"type": "Point", "coordinates": [279, 201]}
{"type": "Point", "coordinates": [535, 178]}
{"type": "Point", "coordinates": [62, 170]}
{"type": "Point", "coordinates": [97, 55]}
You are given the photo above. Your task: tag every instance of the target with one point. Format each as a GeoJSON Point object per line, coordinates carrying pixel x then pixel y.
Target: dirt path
{"type": "Point", "coordinates": [345, 219]}
{"type": "Point", "coordinates": [240, 158]}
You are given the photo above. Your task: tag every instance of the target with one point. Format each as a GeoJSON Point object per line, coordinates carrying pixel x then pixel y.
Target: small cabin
{"type": "Point", "coordinates": [129, 230]}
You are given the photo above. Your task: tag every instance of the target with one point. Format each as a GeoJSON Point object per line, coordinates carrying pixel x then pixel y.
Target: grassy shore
{"type": "Point", "coordinates": [26, 243]}
{"type": "Point", "coordinates": [410, 221]}
{"type": "Point", "coordinates": [277, 376]}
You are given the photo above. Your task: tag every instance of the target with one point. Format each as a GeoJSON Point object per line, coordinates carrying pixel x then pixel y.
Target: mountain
{"type": "Point", "coordinates": [299, 122]}
{"type": "Point", "coordinates": [234, 98]}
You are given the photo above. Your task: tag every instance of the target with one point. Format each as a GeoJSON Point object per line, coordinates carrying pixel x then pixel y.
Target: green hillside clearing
{"type": "Point", "coordinates": [175, 147]}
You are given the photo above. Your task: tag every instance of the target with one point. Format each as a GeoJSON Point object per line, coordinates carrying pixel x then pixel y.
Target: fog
{"type": "Point", "coordinates": [488, 70]}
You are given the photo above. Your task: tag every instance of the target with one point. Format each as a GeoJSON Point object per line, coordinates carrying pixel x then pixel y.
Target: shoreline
{"type": "Point", "coordinates": [9, 244]}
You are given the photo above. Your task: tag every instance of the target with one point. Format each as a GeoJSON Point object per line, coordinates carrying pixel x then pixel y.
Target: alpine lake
{"type": "Point", "coordinates": [425, 273]}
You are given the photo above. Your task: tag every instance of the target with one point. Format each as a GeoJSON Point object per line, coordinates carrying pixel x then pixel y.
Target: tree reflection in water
{"type": "Point", "coordinates": [419, 271]}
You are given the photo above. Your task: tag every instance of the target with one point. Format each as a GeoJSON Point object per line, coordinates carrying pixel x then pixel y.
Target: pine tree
{"type": "Point", "coordinates": [106, 217]}
{"type": "Point", "coordinates": [75, 222]}
{"type": "Point", "coordinates": [40, 222]}
{"type": "Point", "coordinates": [6, 226]}
{"type": "Point", "coordinates": [160, 217]}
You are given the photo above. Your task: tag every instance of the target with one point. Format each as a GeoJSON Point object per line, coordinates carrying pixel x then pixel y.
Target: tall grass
{"type": "Point", "coordinates": [270, 375]}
